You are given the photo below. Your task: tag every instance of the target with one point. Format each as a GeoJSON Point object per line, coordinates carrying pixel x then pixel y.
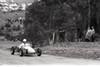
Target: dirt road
{"type": "Point", "coordinates": [7, 59]}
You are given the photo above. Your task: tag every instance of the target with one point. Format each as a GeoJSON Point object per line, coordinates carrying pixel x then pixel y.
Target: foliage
{"type": "Point", "coordinates": [7, 25]}
{"type": "Point", "coordinates": [35, 33]}
{"type": "Point", "coordinates": [51, 15]}
{"type": "Point", "coordinates": [16, 28]}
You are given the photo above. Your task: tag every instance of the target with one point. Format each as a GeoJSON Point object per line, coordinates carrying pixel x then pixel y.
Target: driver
{"type": "Point", "coordinates": [24, 44]}
{"type": "Point", "coordinates": [27, 46]}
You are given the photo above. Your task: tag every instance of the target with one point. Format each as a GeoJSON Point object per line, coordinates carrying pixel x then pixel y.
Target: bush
{"type": "Point", "coordinates": [35, 34]}
{"type": "Point", "coordinates": [95, 37]}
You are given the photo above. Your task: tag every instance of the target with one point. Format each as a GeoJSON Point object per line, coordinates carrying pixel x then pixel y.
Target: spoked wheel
{"type": "Point", "coordinates": [39, 52]}
{"type": "Point", "coordinates": [12, 50]}
{"type": "Point", "coordinates": [21, 52]}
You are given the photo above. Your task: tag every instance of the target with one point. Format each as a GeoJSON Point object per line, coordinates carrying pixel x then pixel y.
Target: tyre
{"type": "Point", "coordinates": [39, 52]}
{"type": "Point", "coordinates": [21, 53]}
{"type": "Point", "coordinates": [12, 50]}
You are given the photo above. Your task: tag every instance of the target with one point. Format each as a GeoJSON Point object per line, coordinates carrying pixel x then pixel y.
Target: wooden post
{"type": "Point", "coordinates": [54, 37]}
{"type": "Point", "coordinates": [76, 40]}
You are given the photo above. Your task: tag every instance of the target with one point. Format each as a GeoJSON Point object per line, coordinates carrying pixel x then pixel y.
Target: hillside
{"type": "Point", "coordinates": [4, 16]}
{"type": "Point", "coordinates": [13, 15]}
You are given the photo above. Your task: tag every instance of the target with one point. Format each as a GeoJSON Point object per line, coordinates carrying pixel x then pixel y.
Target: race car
{"type": "Point", "coordinates": [23, 51]}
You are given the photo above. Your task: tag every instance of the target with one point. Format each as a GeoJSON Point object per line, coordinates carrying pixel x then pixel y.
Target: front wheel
{"type": "Point", "coordinates": [39, 52]}
{"type": "Point", "coordinates": [12, 50]}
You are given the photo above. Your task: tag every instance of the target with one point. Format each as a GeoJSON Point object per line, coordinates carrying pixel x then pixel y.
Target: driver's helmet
{"type": "Point", "coordinates": [92, 27]}
{"type": "Point", "coordinates": [24, 40]}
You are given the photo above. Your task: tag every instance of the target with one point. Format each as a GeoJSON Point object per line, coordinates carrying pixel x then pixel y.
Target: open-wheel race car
{"type": "Point", "coordinates": [23, 51]}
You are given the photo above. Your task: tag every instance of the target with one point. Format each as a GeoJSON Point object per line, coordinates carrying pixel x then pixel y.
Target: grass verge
{"type": "Point", "coordinates": [74, 50]}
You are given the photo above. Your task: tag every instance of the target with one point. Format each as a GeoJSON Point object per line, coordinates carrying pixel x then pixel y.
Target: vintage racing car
{"type": "Point", "coordinates": [23, 51]}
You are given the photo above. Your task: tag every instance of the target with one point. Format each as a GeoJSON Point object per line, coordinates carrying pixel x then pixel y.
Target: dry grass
{"type": "Point", "coordinates": [8, 44]}
{"type": "Point", "coordinates": [74, 50]}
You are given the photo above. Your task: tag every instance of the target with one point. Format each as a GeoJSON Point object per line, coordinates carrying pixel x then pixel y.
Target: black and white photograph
{"type": "Point", "coordinates": [49, 32]}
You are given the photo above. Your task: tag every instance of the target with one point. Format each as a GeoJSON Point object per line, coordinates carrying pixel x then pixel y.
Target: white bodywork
{"type": "Point", "coordinates": [28, 47]}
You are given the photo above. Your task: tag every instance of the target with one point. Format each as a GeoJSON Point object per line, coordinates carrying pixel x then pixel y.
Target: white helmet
{"type": "Point", "coordinates": [24, 40]}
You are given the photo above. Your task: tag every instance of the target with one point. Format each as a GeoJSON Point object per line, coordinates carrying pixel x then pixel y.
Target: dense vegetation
{"type": "Point", "coordinates": [47, 16]}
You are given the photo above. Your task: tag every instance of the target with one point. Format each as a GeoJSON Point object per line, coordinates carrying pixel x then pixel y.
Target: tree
{"type": "Point", "coordinates": [35, 34]}
{"type": "Point", "coordinates": [51, 15]}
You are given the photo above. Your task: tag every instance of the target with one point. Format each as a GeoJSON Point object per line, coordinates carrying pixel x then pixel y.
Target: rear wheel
{"type": "Point", "coordinates": [12, 50]}
{"type": "Point", "coordinates": [39, 52]}
{"type": "Point", "coordinates": [21, 53]}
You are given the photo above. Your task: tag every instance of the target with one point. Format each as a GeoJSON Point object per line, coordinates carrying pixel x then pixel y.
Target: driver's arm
{"type": "Point", "coordinates": [21, 45]}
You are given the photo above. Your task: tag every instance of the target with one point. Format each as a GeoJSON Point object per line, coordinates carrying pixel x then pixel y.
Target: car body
{"type": "Point", "coordinates": [23, 51]}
